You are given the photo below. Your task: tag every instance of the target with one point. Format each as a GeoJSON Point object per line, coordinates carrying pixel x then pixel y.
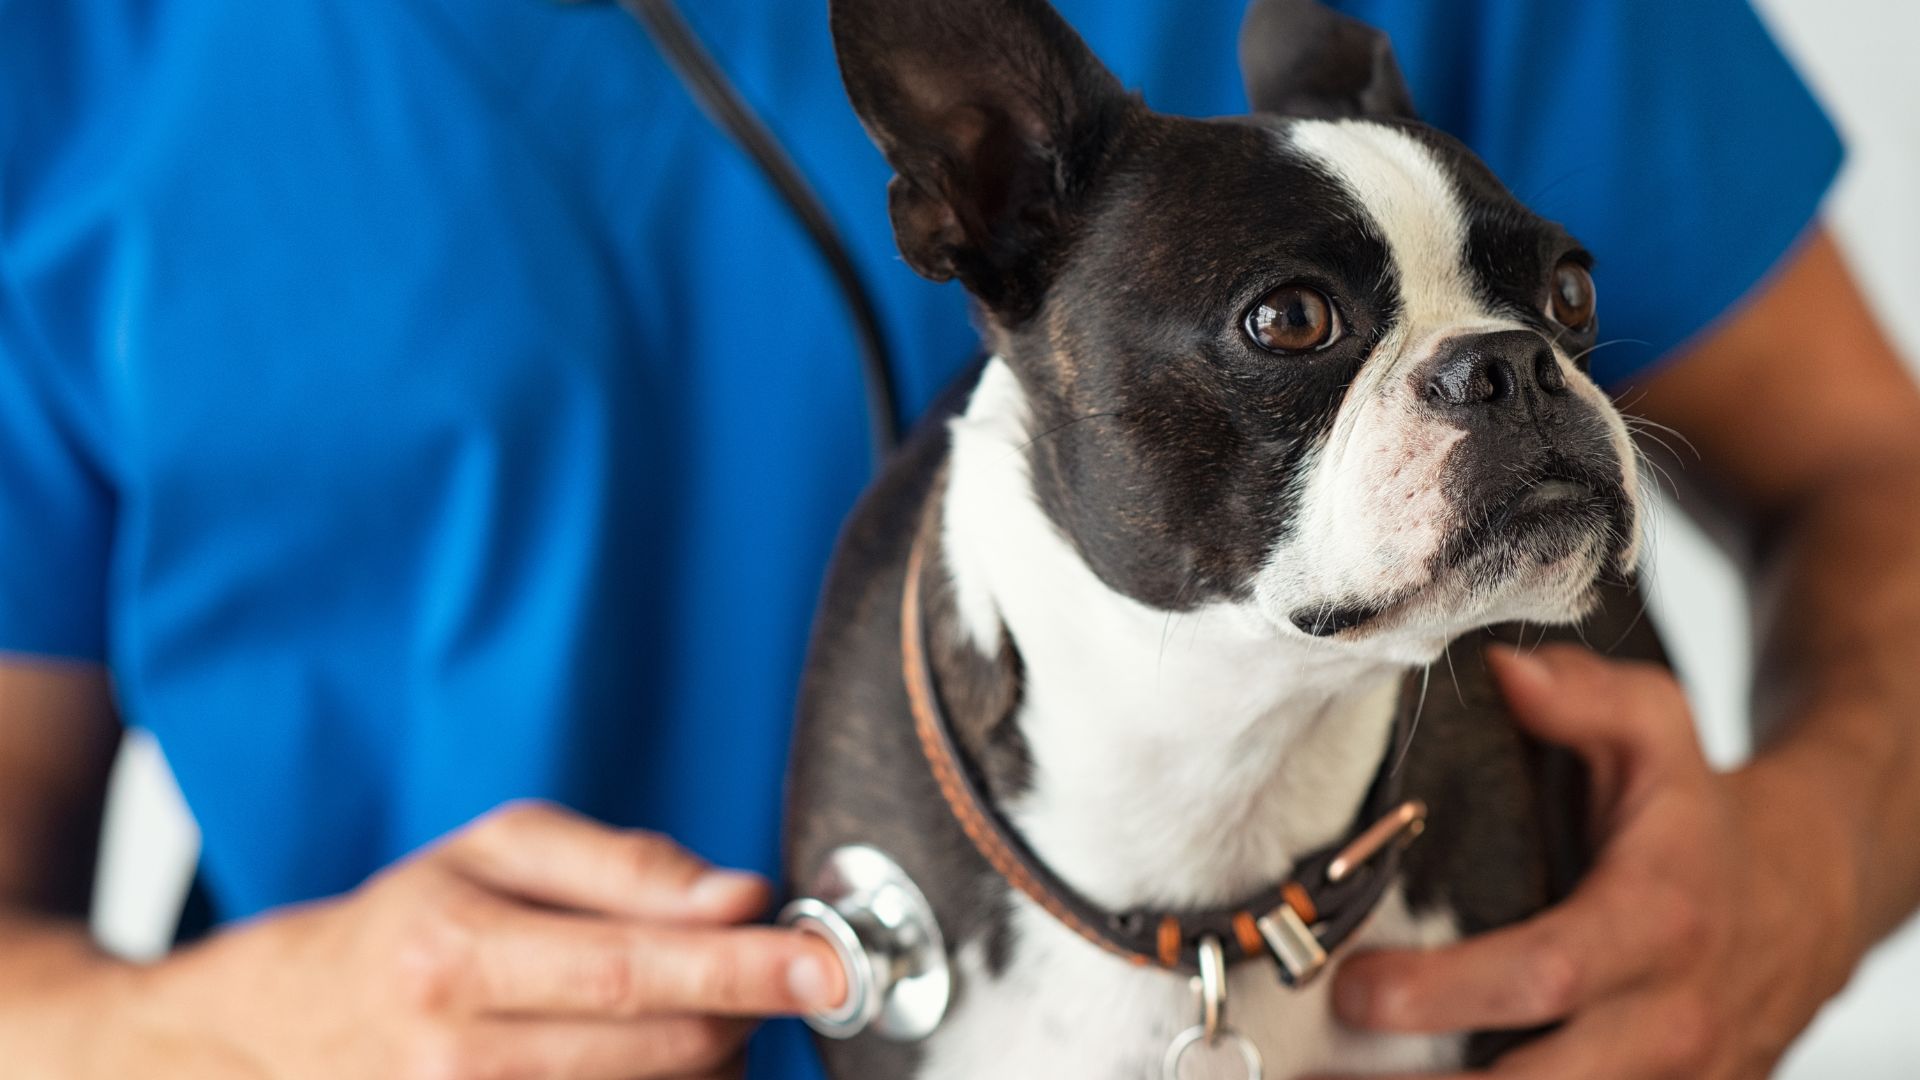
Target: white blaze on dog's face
{"type": "Point", "coordinates": [1473, 472]}
{"type": "Point", "coordinates": [1316, 364]}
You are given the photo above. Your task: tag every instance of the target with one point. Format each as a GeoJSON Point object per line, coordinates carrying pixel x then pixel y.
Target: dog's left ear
{"type": "Point", "coordinates": [1301, 57]}
{"type": "Point", "coordinates": [995, 116]}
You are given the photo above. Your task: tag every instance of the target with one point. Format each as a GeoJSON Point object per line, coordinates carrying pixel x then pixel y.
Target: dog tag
{"type": "Point", "coordinates": [1210, 1050]}
{"type": "Point", "coordinates": [1229, 1055]}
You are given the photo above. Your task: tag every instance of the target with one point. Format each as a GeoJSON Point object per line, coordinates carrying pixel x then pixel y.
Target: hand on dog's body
{"type": "Point", "coordinates": [1692, 951]}
{"type": "Point", "coordinates": [534, 944]}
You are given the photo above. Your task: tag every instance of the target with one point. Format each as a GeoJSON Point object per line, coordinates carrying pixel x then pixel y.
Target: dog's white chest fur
{"type": "Point", "coordinates": [1179, 760]}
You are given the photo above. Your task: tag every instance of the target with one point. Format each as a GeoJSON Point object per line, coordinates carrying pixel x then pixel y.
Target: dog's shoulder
{"type": "Point", "coordinates": [857, 774]}
{"type": "Point", "coordinates": [852, 705]}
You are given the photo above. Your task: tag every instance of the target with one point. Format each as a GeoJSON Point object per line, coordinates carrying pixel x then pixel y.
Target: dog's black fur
{"type": "Point", "coordinates": [1071, 213]}
{"type": "Point", "coordinates": [1507, 834]}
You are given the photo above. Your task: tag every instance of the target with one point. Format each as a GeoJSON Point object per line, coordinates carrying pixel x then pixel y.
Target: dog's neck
{"type": "Point", "coordinates": [1177, 758]}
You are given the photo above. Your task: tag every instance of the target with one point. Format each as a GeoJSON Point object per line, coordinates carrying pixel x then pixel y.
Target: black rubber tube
{"type": "Point", "coordinates": [721, 101]}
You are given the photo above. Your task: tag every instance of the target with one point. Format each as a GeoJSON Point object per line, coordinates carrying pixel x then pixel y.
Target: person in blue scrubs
{"type": "Point", "coordinates": [412, 409]}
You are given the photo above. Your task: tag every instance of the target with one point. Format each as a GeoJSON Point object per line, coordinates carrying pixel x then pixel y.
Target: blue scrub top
{"type": "Point", "coordinates": [419, 405]}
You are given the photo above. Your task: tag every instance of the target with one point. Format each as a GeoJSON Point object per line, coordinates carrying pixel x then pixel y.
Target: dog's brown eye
{"type": "Point", "coordinates": [1573, 298]}
{"type": "Point", "coordinates": [1293, 318]}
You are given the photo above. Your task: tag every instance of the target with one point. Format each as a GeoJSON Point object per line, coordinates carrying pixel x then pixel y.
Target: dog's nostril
{"type": "Point", "coordinates": [1546, 372]}
{"type": "Point", "coordinates": [1500, 380]}
{"type": "Point", "coordinates": [1501, 369]}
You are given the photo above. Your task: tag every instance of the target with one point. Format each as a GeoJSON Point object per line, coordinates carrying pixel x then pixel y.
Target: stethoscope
{"type": "Point", "coordinates": [861, 902]}
{"type": "Point", "coordinates": [723, 104]}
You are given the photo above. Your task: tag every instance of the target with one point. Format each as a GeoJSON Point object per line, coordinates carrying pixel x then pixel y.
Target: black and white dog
{"type": "Point", "coordinates": [1277, 407]}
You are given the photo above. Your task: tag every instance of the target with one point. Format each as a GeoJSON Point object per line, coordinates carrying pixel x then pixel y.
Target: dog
{"type": "Point", "coordinates": [1141, 622]}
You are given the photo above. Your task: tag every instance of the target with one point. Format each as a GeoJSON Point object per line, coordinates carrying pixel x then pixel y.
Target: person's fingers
{"type": "Point", "coordinates": [530, 962]}
{"type": "Point", "coordinates": [1612, 933]}
{"type": "Point", "coordinates": [659, 1048]}
{"type": "Point", "coordinates": [1651, 1037]}
{"type": "Point", "coordinates": [1642, 1038]}
{"type": "Point", "coordinates": [1578, 698]}
{"type": "Point", "coordinates": [553, 856]}
{"type": "Point", "coordinates": [1628, 720]}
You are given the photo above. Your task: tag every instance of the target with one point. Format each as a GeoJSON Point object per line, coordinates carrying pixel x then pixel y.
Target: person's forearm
{"type": "Point", "coordinates": [39, 951]}
{"type": "Point", "coordinates": [1837, 692]}
{"type": "Point", "coordinates": [56, 986]}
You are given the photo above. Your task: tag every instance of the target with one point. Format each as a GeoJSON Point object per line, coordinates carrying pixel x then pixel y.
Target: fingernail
{"type": "Point", "coordinates": [725, 888]}
{"type": "Point", "coordinates": [807, 980]}
{"type": "Point", "coordinates": [1523, 665]}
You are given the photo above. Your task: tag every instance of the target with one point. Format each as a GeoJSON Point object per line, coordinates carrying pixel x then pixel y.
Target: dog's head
{"type": "Point", "coordinates": [1316, 361]}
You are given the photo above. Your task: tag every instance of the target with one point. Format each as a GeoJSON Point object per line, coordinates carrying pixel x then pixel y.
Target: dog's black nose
{"type": "Point", "coordinates": [1505, 370]}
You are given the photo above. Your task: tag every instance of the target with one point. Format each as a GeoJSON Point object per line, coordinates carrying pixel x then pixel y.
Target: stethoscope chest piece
{"type": "Point", "coordinates": [888, 942]}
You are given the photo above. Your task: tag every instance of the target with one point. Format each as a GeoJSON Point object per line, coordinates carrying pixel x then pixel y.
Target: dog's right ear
{"type": "Point", "coordinates": [995, 117]}
{"type": "Point", "coordinates": [1302, 57]}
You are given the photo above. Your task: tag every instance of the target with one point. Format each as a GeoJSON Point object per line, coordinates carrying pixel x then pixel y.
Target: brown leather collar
{"type": "Point", "coordinates": [1296, 922]}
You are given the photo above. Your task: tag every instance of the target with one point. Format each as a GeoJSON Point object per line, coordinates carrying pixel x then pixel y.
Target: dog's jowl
{"type": "Point", "coordinates": [1278, 407]}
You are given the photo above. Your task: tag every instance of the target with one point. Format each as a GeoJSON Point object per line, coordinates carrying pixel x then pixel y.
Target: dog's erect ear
{"type": "Point", "coordinates": [1302, 57]}
{"type": "Point", "coordinates": [995, 116]}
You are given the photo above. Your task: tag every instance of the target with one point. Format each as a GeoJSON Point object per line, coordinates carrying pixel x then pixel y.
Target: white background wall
{"type": "Point", "coordinates": [1863, 56]}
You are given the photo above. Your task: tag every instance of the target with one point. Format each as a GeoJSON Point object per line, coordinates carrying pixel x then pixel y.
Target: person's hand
{"type": "Point", "coordinates": [532, 945]}
{"type": "Point", "coordinates": [1713, 924]}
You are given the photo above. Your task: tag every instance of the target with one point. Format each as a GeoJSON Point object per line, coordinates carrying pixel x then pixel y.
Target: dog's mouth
{"type": "Point", "coordinates": [1541, 520]}
{"type": "Point", "coordinates": [1329, 620]}
{"type": "Point", "coordinates": [1548, 519]}
{"type": "Point", "coordinates": [1550, 496]}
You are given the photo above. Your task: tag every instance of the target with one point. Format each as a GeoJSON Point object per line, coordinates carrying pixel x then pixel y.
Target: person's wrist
{"type": "Point", "coordinates": [74, 1027]}
{"type": "Point", "coordinates": [216, 1009]}
{"type": "Point", "coordinates": [118, 1000]}
{"type": "Point", "coordinates": [157, 1020]}
{"type": "Point", "coordinates": [1806, 837]}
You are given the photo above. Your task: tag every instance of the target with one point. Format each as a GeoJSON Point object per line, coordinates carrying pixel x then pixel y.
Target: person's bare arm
{"type": "Point", "coordinates": [1725, 909]}
{"type": "Point", "coordinates": [58, 734]}
{"type": "Point", "coordinates": [533, 943]}
{"type": "Point", "coordinates": [1808, 430]}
